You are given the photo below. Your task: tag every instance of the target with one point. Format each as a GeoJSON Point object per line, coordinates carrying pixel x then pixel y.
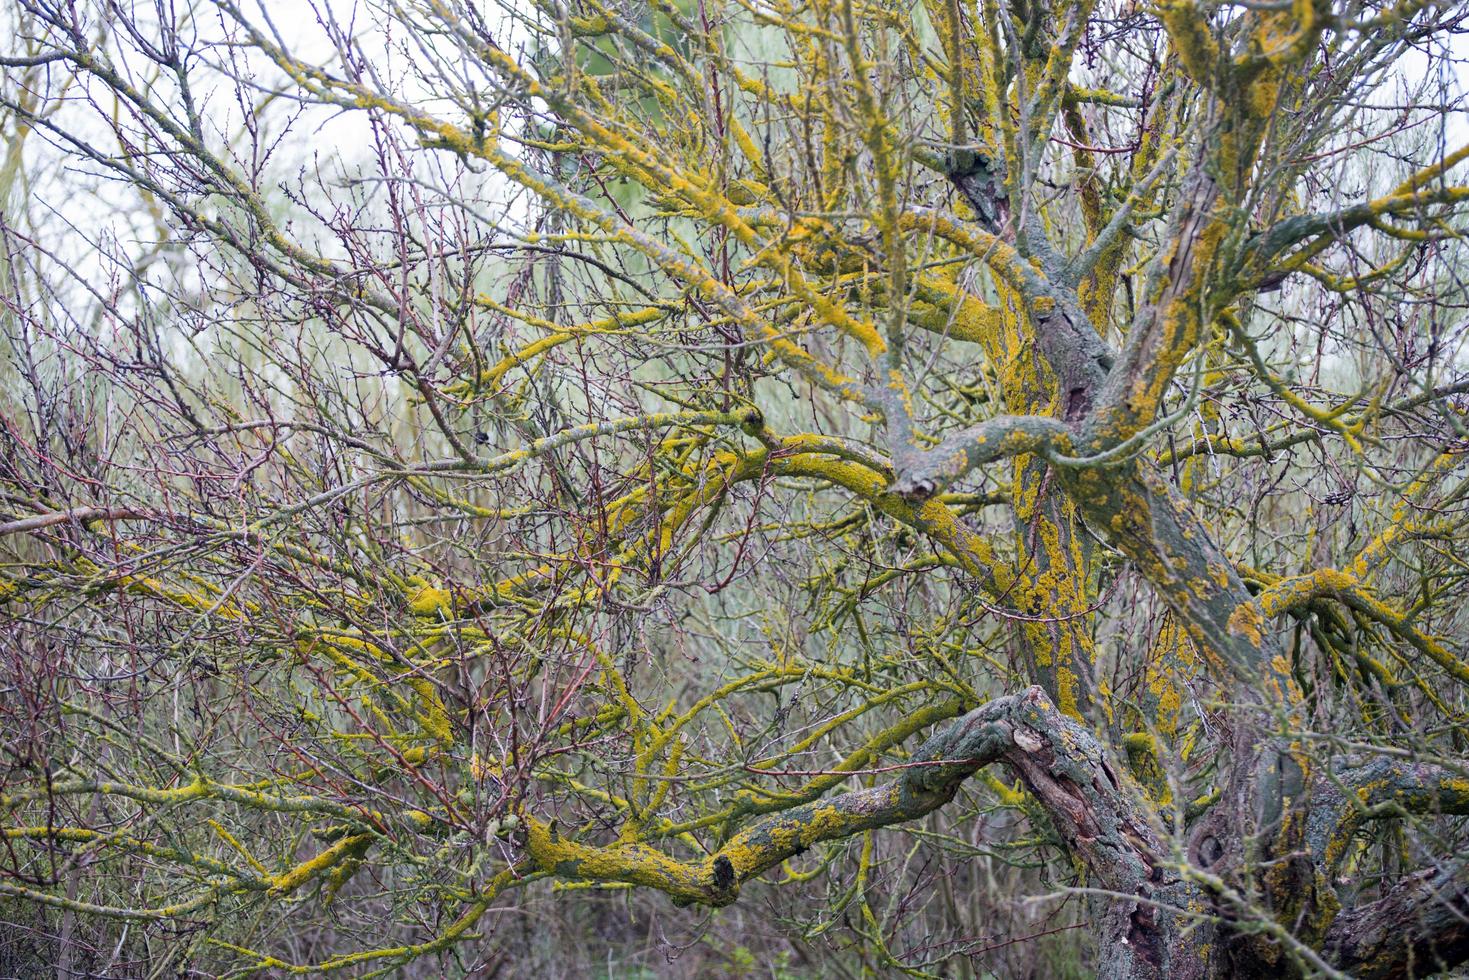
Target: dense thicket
{"type": "Point", "coordinates": [972, 487]}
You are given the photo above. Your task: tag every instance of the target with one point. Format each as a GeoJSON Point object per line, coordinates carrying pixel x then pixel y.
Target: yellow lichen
{"type": "Point", "coordinates": [1247, 621]}
{"type": "Point", "coordinates": [289, 881]}
{"type": "Point", "coordinates": [428, 601]}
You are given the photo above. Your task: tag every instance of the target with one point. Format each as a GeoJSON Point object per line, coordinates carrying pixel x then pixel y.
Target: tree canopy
{"type": "Point", "coordinates": [947, 477]}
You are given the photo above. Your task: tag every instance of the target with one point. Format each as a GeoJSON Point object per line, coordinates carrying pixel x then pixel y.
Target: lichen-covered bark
{"type": "Point", "coordinates": [1420, 928]}
{"type": "Point", "coordinates": [1147, 927]}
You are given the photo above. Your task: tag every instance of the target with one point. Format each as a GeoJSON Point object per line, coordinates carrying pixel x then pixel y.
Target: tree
{"type": "Point", "coordinates": [688, 439]}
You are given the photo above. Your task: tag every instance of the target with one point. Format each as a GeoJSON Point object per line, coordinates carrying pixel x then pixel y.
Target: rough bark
{"type": "Point", "coordinates": [1418, 928]}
